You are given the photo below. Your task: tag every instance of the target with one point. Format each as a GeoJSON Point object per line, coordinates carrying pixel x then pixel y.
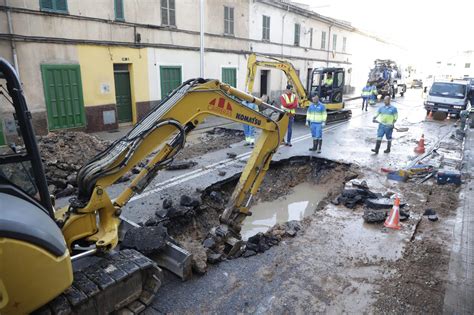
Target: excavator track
{"type": "Point", "coordinates": [338, 115]}
{"type": "Point", "coordinates": [123, 282]}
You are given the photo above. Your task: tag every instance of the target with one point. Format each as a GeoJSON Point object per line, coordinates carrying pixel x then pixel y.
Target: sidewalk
{"type": "Point", "coordinates": [459, 296]}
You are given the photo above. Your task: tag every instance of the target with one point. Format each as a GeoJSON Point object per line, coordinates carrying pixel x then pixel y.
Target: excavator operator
{"type": "Point", "coordinates": [327, 86]}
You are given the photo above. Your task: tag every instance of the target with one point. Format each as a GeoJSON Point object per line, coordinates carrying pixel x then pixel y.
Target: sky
{"type": "Point", "coordinates": [429, 30]}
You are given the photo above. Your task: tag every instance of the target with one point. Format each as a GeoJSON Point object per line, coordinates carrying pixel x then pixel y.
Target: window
{"type": "Point", "coordinates": [229, 76]}
{"type": "Point", "coordinates": [266, 28]}
{"type": "Point", "coordinates": [228, 20]}
{"type": "Point", "coordinates": [467, 65]}
{"type": "Point", "coordinates": [323, 40]}
{"type": "Point", "coordinates": [334, 42]}
{"type": "Point", "coordinates": [297, 34]}
{"type": "Point", "coordinates": [168, 13]}
{"type": "Point", "coordinates": [54, 5]}
{"type": "Point", "coordinates": [311, 37]}
{"type": "Point", "coordinates": [119, 10]}
{"type": "Point", "coordinates": [344, 43]}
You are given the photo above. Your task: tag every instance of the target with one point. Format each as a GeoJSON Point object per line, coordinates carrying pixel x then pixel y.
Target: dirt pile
{"type": "Point", "coordinates": [63, 154]}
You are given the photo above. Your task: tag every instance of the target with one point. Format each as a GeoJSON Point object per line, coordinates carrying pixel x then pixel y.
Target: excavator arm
{"type": "Point", "coordinates": [274, 63]}
{"type": "Point", "coordinates": [159, 136]}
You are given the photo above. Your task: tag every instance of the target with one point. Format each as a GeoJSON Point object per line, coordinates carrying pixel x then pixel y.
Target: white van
{"type": "Point", "coordinates": [448, 97]}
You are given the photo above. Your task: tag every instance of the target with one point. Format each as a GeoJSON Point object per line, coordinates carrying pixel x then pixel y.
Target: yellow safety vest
{"type": "Point", "coordinates": [289, 101]}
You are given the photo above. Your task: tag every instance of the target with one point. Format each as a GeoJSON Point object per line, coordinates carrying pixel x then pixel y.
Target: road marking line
{"type": "Point", "coordinates": [215, 166]}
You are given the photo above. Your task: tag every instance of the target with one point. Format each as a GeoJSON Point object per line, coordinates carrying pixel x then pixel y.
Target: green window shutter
{"type": "Point", "coordinates": [46, 5]}
{"type": "Point", "coordinates": [61, 5]}
{"type": "Point", "coordinates": [170, 78]}
{"type": "Point", "coordinates": [297, 34]}
{"type": "Point", "coordinates": [229, 76]}
{"type": "Point", "coordinates": [54, 5]}
{"type": "Point", "coordinates": [119, 14]}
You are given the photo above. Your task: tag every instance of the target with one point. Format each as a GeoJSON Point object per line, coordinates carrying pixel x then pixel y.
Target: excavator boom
{"type": "Point", "coordinates": [119, 280]}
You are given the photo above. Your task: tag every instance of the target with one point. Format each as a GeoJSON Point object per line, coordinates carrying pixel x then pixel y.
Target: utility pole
{"type": "Point", "coordinates": [201, 48]}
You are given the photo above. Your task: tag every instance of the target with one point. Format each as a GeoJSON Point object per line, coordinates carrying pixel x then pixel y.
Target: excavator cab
{"type": "Point", "coordinates": [328, 84]}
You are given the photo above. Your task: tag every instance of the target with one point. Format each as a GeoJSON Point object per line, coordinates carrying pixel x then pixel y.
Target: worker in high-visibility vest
{"type": "Point", "coordinates": [366, 92]}
{"type": "Point", "coordinates": [289, 102]}
{"type": "Point", "coordinates": [327, 85]}
{"type": "Point", "coordinates": [316, 119]}
{"type": "Point", "coordinates": [373, 95]}
{"type": "Point", "coordinates": [386, 116]}
{"type": "Point", "coordinates": [249, 131]}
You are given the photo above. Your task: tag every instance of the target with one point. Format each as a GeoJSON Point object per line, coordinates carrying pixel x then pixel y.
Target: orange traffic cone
{"type": "Point", "coordinates": [430, 115]}
{"type": "Point", "coordinates": [420, 149]}
{"type": "Point", "coordinates": [393, 220]}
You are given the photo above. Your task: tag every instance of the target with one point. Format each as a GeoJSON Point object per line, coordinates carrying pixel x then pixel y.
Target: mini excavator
{"type": "Point", "coordinates": [330, 95]}
{"type": "Point", "coordinates": [38, 242]}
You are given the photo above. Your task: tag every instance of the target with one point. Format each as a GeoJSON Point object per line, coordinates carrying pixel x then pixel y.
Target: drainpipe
{"type": "Point", "coordinates": [12, 40]}
{"type": "Point", "coordinates": [329, 44]}
{"type": "Point", "coordinates": [282, 38]}
{"type": "Point", "coordinates": [201, 46]}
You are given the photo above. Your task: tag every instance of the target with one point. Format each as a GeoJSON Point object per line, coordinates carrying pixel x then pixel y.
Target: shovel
{"type": "Point", "coordinates": [401, 129]}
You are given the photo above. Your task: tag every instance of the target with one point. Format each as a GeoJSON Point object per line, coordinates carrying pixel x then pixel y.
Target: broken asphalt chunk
{"type": "Point", "coordinates": [147, 240]}
{"type": "Point", "coordinates": [181, 165]}
{"type": "Point", "coordinates": [232, 155]}
{"type": "Point", "coordinates": [374, 216]}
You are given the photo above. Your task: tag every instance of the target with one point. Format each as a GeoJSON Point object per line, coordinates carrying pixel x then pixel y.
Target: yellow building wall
{"type": "Point", "coordinates": [97, 72]}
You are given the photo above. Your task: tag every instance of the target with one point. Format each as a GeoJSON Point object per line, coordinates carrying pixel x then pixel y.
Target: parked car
{"type": "Point", "coordinates": [448, 97]}
{"type": "Point", "coordinates": [416, 84]}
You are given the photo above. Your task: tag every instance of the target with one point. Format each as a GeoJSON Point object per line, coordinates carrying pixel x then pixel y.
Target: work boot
{"type": "Point", "coordinates": [320, 142]}
{"type": "Point", "coordinates": [389, 145]}
{"type": "Point", "coordinates": [315, 145]}
{"type": "Point", "coordinates": [377, 147]}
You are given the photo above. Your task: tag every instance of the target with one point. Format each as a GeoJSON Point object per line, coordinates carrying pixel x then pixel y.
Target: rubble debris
{"type": "Point", "coordinates": [222, 173]}
{"type": "Point", "coordinates": [199, 261]}
{"type": "Point", "coordinates": [63, 154]}
{"type": "Point", "coordinates": [187, 201]}
{"type": "Point", "coordinates": [381, 203]}
{"type": "Point", "coordinates": [429, 212]}
{"type": "Point", "coordinates": [433, 217]}
{"type": "Point", "coordinates": [353, 197]}
{"type": "Point", "coordinates": [217, 197]}
{"type": "Point", "coordinates": [374, 216]}
{"type": "Point", "coordinates": [404, 215]}
{"type": "Point", "coordinates": [147, 240]}
{"type": "Point", "coordinates": [214, 258]}
{"type": "Point", "coordinates": [180, 165]}
{"type": "Point", "coordinates": [167, 203]}
{"type": "Point", "coordinates": [360, 184]}
{"type": "Point", "coordinates": [231, 155]}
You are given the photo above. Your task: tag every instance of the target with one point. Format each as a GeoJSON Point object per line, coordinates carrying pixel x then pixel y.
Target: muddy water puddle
{"type": "Point", "coordinates": [295, 206]}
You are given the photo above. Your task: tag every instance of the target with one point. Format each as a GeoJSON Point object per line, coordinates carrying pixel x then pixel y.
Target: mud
{"type": "Point", "coordinates": [419, 279]}
{"type": "Point", "coordinates": [190, 225]}
{"type": "Point", "coordinates": [215, 139]}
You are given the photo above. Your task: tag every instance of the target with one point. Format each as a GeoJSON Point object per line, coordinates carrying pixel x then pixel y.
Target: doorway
{"type": "Point", "coordinates": [123, 93]}
{"type": "Point", "coordinates": [264, 82]}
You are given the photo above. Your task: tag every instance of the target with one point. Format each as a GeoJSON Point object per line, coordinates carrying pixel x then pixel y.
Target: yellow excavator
{"type": "Point", "coordinates": [327, 83]}
{"type": "Point", "coordinates": [39, 243]}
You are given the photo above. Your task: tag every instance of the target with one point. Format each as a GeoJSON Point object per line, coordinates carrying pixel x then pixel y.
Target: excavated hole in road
{"type": "Point", "coordinates": [292, 189]}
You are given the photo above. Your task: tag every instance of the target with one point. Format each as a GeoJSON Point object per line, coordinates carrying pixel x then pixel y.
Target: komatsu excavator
{"type": "Point", "coordinates": [38, 243]}
{"type": "Point", "coordinates": [331, 95]}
